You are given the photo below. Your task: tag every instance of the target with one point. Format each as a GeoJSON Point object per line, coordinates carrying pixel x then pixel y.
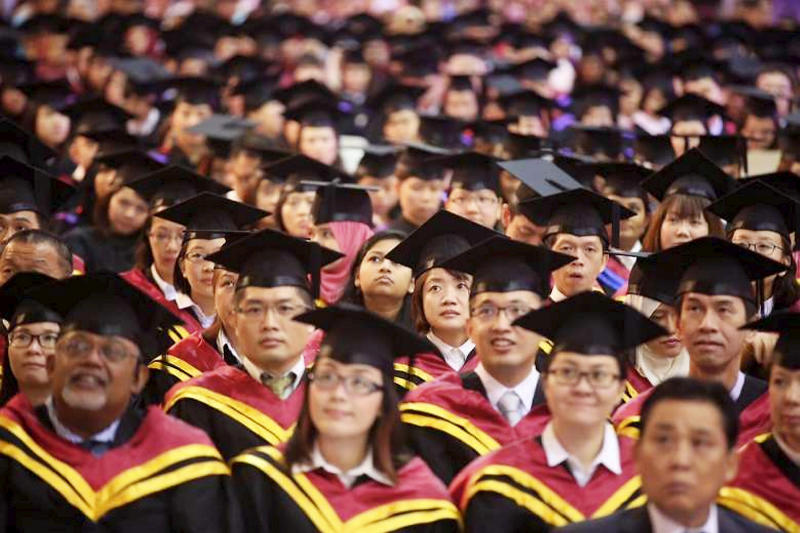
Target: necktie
{"type": "Point", "coordinates": [281, 386]}
{"type": "Point", "coordinates": [96, 447]}
{"type": "Point", "coordinates": [511, 407]}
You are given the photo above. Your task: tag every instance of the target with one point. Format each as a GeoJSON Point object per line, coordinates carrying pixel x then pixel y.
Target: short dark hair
{"type": "Point", "coordinates": [694, 390]}
{"type": "Point", "coordinates": [37, 236]}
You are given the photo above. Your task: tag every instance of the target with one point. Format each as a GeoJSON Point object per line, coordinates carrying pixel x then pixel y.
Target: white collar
{"type": "Point", "coordinates": [609, 455]}
{"type": "Point", "coordinates": [255, 372]}
{"type": "Point", "coordinates": [556, 295]}
{"type": "Point", "coordinates": [146, 126]}
{"type": "Point", "coordinates": [105, 436]}
{"type": "Point", "coordinates": [736, 391]}
{"type": "Point", "coordinates": [769, 305]}
{"type": "Point", "coordinates": [628, 261]}
{"type": "Point", "coordinates": [793, 455]}
{"type": "Point", "coordinates": [223, 341]}
{"type": "Point", "coordinates": [184, 301]}
{"type": "Point", "coordinates": [166, 288]}
{"type": "Point", "coordinates": [661, 523]}
{"type": "Point", "coordinates": [455, 357]}
{"type": "Point", "coordinates": [365, 468]}
{"type": "Point", "coordinates": [495, 390]}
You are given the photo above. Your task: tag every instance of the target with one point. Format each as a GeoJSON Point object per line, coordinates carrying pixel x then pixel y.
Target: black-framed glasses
{"type": "Point", "coordinates": [487, 312]}
{"type": "Point", "coordinates": [763, 248]}
{"type": "Point", "coordinates": [572, 376]}
{"type": "Point", "coordinates": [355, 385]}
{"type": "Point", "coordinates": [23, 339]}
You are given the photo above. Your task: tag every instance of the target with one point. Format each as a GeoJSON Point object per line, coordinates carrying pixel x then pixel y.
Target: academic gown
{"type": "Point", "coordinates": [614, 278]}
{"type": "Point", "coordinates": [235, 410]}
{"type": "Point", "coordinates": [143, 280]}
{"type": "Point", "coordinates": [513, 489]}
{"type": "Point", "coordinates": [274, 499]}
{"type": "Point", "coordinates": [426, 367]}
{"type": "Point", "coordinates": [752, 406]}
{"type": "Point", "coordinates": [450, 422]}
{"type": "Point", "coordinates": [159, 475]}
{"type": "Point", "coordinates": [114, 253]}
{"type": "Point", "coordinates": [401, 224]}
{"type": "Point", "coordinates": [635, 384]}
{"type": "Point", "coordinates": [767, 488]}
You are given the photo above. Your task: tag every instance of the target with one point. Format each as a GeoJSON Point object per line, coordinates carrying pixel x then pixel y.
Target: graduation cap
{"type": "Point", "coordinates": [303, 91]}
{"type": "Point", "coordinates": [786, 182]}
{"type": "Point", "coordinates": [599, 141]}
{"type": "Point", "coordinates": [525, 103]}
{"type": "Point", "coordinates": [441, 131]}
{"type": "Point", "coordinates": [110, 141]}
{"type": "Point", "coordinates": [46, 23]}
{"type": "Point", "coordinates": [130, 165]}
{"type": "Point", "coordinates": [538, 177]}
{"type": "Point", "coordinates": [589, 96]}
{"type": "Point", "coordinates": [146, 75]}
{"type": "Point", "coordinates": [691, 107]}
{"type": "Point", "coordinates": [714, 266]}
{"type": "Point", "coordinates": [354, 335]}
{"type": "Point", "coordinates": [578, 212]}
{"type": "Point", "coordinates": [460, 83]}
{"type": "Point", "coordinates": [440, 238]}
{"type": "Point", "coordinates": [536, 69]}
{"type": "Point", "coordinates": [298, 167]}
{"type": "Point", "coordinates": [55, 93]}
{"type": "Point", "coordinates": [210, 216]}
{"type": "Point", "coordinates": [17, 308]}
{"type": "Point", "coordinates": [654, 149]}
{"type": "Point", "coordinates": [724, 150]}
{"type": "Point", "coordinates": [416, 161]}
{"type": "Point", "coordinates": [15, 71]}
{"type": "Point", "coordinates": [500, 264]}
{"type": "Point", "coordinates": [648, 279]}
{"type": "Point", "coordinates": [170, 185]}
{"type": "Point", "coordinates": [378, 161]}
{"type": "Point", "coordinates": [418, 61]}
{"type": "Point", "coordinates": [22, 145]}
{"type": "Point", "coordinates": [105, 304]}
{"type": "Point", "coordinates": [472, 171]}
{"type": "Point", "coordinates": [521, 146]}
{"type": "Point", "coordinates": [692, 174]}
{"type": "Point", "coordinates": [786, 352]}
{"type": "Point", "coordinates": [245, 68]}
{"type": "Point", "coordinates": [591, 323]}
{"type": "Point", "coordinates": [259, 146]}
{"type": "Point", "coordinates": [221, 131]}
{"type": "Point", "coordinates": [340, 202]}
{"type": "Point", "coordinates": [758, 102]}
{"type": "Point", "coordinates": [26, 188]}
{"type": "Point", "coordinates": [257, 91]}
{"type": "Point", "coordinates": [315, 112]}
{"type": "Point", "coordinates": [486, 134]}
{"type": "Point", "coordinates": [274, 259]}
{"type": "Point", "coordinates": [195, 90]}
{"type": "Point", "coordinates": [757, 206]}
{"type": "Point", "coordinates": [395, 97]}
{"type": "Point", "coordinates": [95, 114]}
{"type": "Point", "coordinates": [622, 178]}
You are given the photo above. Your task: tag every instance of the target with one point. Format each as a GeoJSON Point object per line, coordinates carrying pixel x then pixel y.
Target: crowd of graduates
{"type": "Point", "coordinates": [434, 265]}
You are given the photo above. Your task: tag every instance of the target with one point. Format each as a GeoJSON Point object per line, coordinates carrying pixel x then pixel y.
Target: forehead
{"type": "Point", "coordinates": [712, 299]}
{"type": "Point", "coordinates": [19, 215]}
{"type": "Point", "coordinates": [383, 246]}
{"type": "Point", "coordinates": [688, 415]}
{"type": "Point", "coordinates": [568, 238]}
{"type": "Point", "coordinates": [502, 298]}
{"type": "Point", "coordinates": [30, 251]}
{"type": "Point", "coordinates": [163, 223]}
{"type": "Point", "coordinates": [581, 360]}
{"type": "Point", "coordinates": [760, 235]}
{"type": "Point", "coordinates": [205, 244]}
{"type": "Point", "coordinates": [328, 363]}
{"type": "Point", "coordinates": [271, 294]}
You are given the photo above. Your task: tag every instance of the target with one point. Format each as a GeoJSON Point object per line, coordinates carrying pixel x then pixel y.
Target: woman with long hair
{"type": "Point", "coordinates": [345, 463]}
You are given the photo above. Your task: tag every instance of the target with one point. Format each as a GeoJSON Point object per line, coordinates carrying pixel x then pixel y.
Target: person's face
{"type": "Point", "coordinates": [520, 228]}
{"type": "Point", "coordinates": [83, 150]}
{"type": "Point", "coordinates": [385, 198]}
{"type": "Point", "coordinates": [309, 72]}
{"type": "Point", "coordinates": [582, 404]}
{"type": "Point", "coordinates": [653, 101]}
{"type": "Point", "coordinates": [337, 413]}
{"type": "Point", "coordinates": [265, 327]}
{"type": "Point", "coordinates": [599, 116]}
{"type": "Point", "coordinates": [759, 131]}
{"type": "Point", "coordinates": [668, 346]}
{"type": "Point", "coordinates": [13, 101]}
{"type": "Point", "coordinates": [267, 195]}
{"type": "Point", "coordinates": [323, 235]}
{"type": "Point", "coordinates": [497, 341]}
{"type": "Point", "coordinates": [631, 96]}
{"type": "Point", "coordinates": [780, 86]}
{"type": "Point", "coordinates": [580, 274]}
{"type": "Point", "coordinates": [784, 399]}
{"type": "Point", "coordinates": [481, 207]}
{"type": "Point", "coordinates": [419, 199]}
{"type": "Point", "coordinates": [677, 230]}
{"type": "Point", "coordinates": [137, 40]}
{"type": "Point", "coordinates": [355, 78]}
{"type": "Point", "coordinates": [104, 182]}
{"type": "Point", "coordinates": [269, 119]}
{"type": "Point", "coordinates": [245, 164]}
{"type": "Point", "coordinates": [707, 88]}
{"type": "Point", "coordinates": [29, 347]}
{"type": "Point", "coordinates": [184, 117]}
{"type": "Point", "coordinates": [197, 271]}
{"type": "Point", "coordinates": [709, 328]}
{"type": "Point", "coordinates": [509, 185]}
{"type": "Point", "coordinates": [686, 128]}
{"type": "Point", "coordinates": [445, 300]}
{"type": "Point", "coordinates": [27, 257]}
{"type": "Point", "coordinates": [52, 127]}
{"type": "Point", "coordinates": [683, 457]}
{"type": "Point", "coordinates": [224, 290]}
{"type": "Point", "coordinates": [99, 72]}
{"type": "Point", "coordinates": [11, 223]}
{"type": "Point", "coordinates": [767, 243]}
{"type": "Point", "coordinates": [634, 227]}
{"type": "Point", "coordinates": [319, 143]}
{"type": "Point", "coordinates": [127, 212]}
{"type": "Point", "coordinates": [401, 126]}
{"type": "Point", "coordinates": [529, 125]}
{"type": "Point", "coordinates": [378, 276]}
{"type": "Point", "coordinates": [462, 105]}
{"type": "Point", "coordinates": [165, 239]}
{"type": "Point", "coordinates": [95, 372]}
{"type": "Point", "coordinates": [296, 214]}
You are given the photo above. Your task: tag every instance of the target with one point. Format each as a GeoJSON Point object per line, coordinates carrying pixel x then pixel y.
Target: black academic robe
{"type": "Point", "coordinates": [401, 224]}
{"type": "Point", "coordinates": [235, 410]}
{"type": "Point", "coordinates": [159, 475]}
{"type": "Point", "coordinates": [450, 422]}
{"type": "Point", "coordinates": [514, 490]}
{"type": "Point", "coordinates": [273, 498]}
{"type": "Point", "coordinates": [638, 521]}
{"type": "Point", "coordinates": [101, 252]}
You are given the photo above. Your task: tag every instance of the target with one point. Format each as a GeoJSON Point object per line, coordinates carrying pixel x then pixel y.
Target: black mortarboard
{"type": "Point", "coordinates": [488, 132]}
{"type": "Point", "coordinates": [539, 177]}
{"type": "Point", "coordinates": [340, 202]}
{"type": "Point", "coordinates": [22, 145]}
{"type": "Point", "coordinates": [56, 93]}
{"type": "Point", "coordinates": [273, 259]}
{"type": "Point", "coordinates": [26, 188]}
{"type": "Point", "coordinates": [786, 353]}
{"type": "Point", "coordinates": [578, 212]}
{"type": "Point", "coordinates": [256, 92]}
{"type": "Point", "coordinates": [95, 114]}
{"type": "Point", "coordinates": [789, 141]}
{"type": "Point", "coordinates": [15, 71]}
{"type": "Point", "coordinates": [314, 112]}
{"type": "Point", "coordinates": [221, 131]}
{"type": "Point", "coordinates": [210, 216]}
{"type": "Point", "coordinates": [590, 96]}
{"type": "Point", "coordinates": [145, 74]}
{"type": "Point", "coordinates": [692, 174]}
{"type": "Point", "coordinates": [622, 178]}
{"type": "Point", "coordinates": [460, 83]}
{"type": "Point", "coordinates": [260, 146]}
{"type": "Point", "coordinates": [691, 107]}
{"type": "Point", "coordinates": [500, 264]}
{"type": "Point", "coordinates": [196, 90]}
{"type": "Point", "coordinates": [244, 68]}
{"type": "Point", "coordinates": [472, 171]}
{"type": "Point", "coordinates": [536, 69]}
{"type": "Point", "coordinates": [757, 206]}
{"type": "Point", "coordinates": [714, 266]}
{"type": "Point", "coordinates": [648, 279]}
{"type": "Point", "coordinates": [46, 23]}
{"type": "Point", "coordinates": [440, 238]}
{"type": "Point", "coordinates": [300, 167]}
{"type": "Point", "coordinates": [521, 146]}
{"type": "Point", "coordinates": [654, 149]}
{"type": "Point", "coordinates": [105, 304]}
{"type": "Point", "coordinates": [395, 97]}
{"type": "Point", "coordinates": [758, 102]}
{"type": "Point", "coordinates": [591, 323]}
{"type": "Point", "coordinates": [416, 161]}
{"type": "Point", "coordinates": [524, 103]}
{"type": "Point", "coordinates": [786, 182]}
{"type": "Point", "coordinates": [418, 61]}
{"type": "Point", "coordinates": [724, 150]}
{"type": "Point", "coordinates": [378, 161]}
{"type": "Point", "coordinates": [441, 131]}
{"type": "Point", "coordinates": [110, 141]}
{"type": "Point", "coordinates": [354, 335]}
{"type": "Point", "coordinates": [304, 91]}
{"type": "Point", "coordinates": [17, 308]}
{"type": "Point", "coordinates": [598, 141]}
{"type": "Point", "coordinates": [130, 165]}
{"type": "Point", "coordinates": [170, 185]}
{"type": "Point", "coordinates": [139, 19]}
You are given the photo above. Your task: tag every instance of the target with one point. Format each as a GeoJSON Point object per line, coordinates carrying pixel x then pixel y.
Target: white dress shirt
{"type": "Point", "coordinates": [627, 261]}
{"type": "Point", "coordinates": [365, 468]}
{"type": "Point", "coordinates": [608, 456]}
{"type": "Point", "coordinates": [661, 523]}
{"type": "Point", "coordinates": [299, 369]}
{"type": "Point", "coordinates": [105, 436]}
{"type": "Point", "coordinates": [183, 301]}
{"type": "Point", "coordinates": [167, 289]}
{"type": "Point", "coordinates": [495, 390]}
{"type": "Point", "coordinates": [223, 341]}
{"type": "Point", "coordinates": [454, 357]}
{"type": "Point", "coordinates": [736, 391]}
{"type": "Point", "coordinates": [556, 295]}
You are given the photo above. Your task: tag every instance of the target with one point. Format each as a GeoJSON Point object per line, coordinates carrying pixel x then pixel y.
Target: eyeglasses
{"type": "Point", "coordinates": [763, 248]}
{"type": "Point", "coordinates": [163, 237]}
{"type": "Point", "coordinates": [23, 339]}
{"type": "Point", "coordinates": [487, 312]}
{"type": "Point", "coordinates": [78, 346]}
{"type": "Point", "coordinates": [482, 200]}
{"type": "Point", "coordinates": [599, 379]}
{"type": "Point", "coordinates": [196, 257]}
{"type": "Point", "coordinates": [355, 385]}
{"type": "Point", "coordinates": [257, 312]}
